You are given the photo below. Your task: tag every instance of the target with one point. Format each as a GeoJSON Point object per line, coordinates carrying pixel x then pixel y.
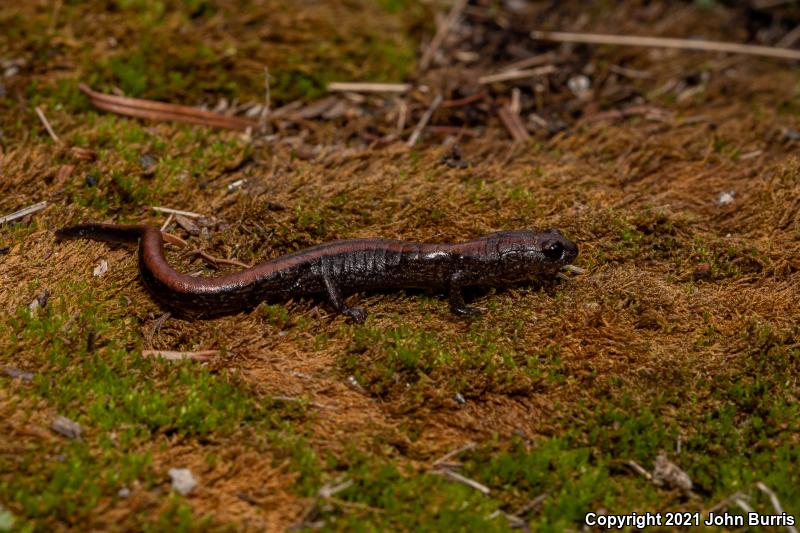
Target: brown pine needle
{"type": "Point", "coordinates": [151, 109]}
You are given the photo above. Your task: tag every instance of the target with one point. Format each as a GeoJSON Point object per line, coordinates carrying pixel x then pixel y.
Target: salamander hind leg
{"type": "Point", "coordinates": [457, 305]}
{"type": "Point", "coordinates": [335, 298]}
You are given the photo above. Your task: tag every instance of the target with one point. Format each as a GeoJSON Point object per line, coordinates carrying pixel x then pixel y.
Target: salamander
{"type": "Point", "coordinates": [339, 268]}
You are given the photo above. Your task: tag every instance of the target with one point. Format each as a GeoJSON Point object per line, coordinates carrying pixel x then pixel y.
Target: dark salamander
{"type": "Point", "coordinates": [339, 268]}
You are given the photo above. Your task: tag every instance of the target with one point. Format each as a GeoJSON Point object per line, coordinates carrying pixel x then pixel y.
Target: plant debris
{"type": "Point", "coordinates": [66, 427]}
{"type": "Point", "coordinates": [678, 323]}
{"type": "Point", "coordinates": [182, 481]}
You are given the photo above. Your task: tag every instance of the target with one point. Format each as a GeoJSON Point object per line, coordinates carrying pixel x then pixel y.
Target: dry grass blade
{"type": "Point", "coordinates": [168, 355]}
{"type": "Point", "coordinates": [166, 223]}
{"type": "Point", "coordinates": [776, 503]}
{"type": "Point", "coordinates": [426, 117]}
{"type": "Point", "coordinates": [170, 211]}
{"type": "Point", "coordinates": [639, 469]}
{"type": "Point", "coordinates": [726, 502]}
{"type": "Point", "coordinates": [150, 109]}
{"type": "Point", "coordinates": [516, 74]}
{"type": "Point", "coordinates": [454, 476]}
{"type": "Point", "coordinates": [441, 33]}
{"type": "Point", "coordinates": [533, 61]}
{"type": "Point", "coordinates": [23, 212]}
{"type": "Point", "coordinates": [47, 125]}
{"type": "Point", "coordinates": [451, 454]}
{"type": "Point", "coordinates": [667, 42]}
{"type": "Point", "coordinates": [363, 87]}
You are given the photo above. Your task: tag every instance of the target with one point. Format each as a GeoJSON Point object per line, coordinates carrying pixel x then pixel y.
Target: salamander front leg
{"type": "Point", "coordinates": [457, 305]}
{"type": "Point", "coordinates": [357, 314]}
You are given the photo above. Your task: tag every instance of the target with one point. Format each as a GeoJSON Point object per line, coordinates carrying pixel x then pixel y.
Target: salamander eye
{"type": "Point", "coordinates": [553, 250]}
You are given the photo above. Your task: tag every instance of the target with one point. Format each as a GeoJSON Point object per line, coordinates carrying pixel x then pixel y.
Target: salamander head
{"type": "Point", "coordinates": [526, 253]}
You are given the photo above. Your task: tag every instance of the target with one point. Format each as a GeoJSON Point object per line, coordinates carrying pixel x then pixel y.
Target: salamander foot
{"type": "Point", "coordinates": [357, 314]}
{"type": "Point", "coordinates": [465, 310]}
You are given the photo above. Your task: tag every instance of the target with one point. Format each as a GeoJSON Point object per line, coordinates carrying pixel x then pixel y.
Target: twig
{"type": "Point", "coordinates": [47, 125]}
{"type": "Point", "coordinates": [23, 212]}
{"type": "Point", "coordinates": [218, 260]}
{"type": "Point", "coordinates": [533, 61]}
{"type": "Point", "coordinates": [177, 241]}
{"type": "Point", "coordinates": [449, 455]}
{"type": "Point", "coordinates": [516, 74]}
{"type": "Point", "coordinates": [364, 87]}
{"type": "Point", "coordinates": [726, 502]}
{"type": "Point", "coordinates": [515, 105]}
{"type": "Point", "coordinates": [776, 503]}
{"type": "Point", "coordinates": [790, 38]}
{"type": "Point", "coordinates": [513, 124]}
{"type": "Point", "coordinates": [176, 212]}
{"type": "Point", "coordinates": [454, 476]}
{"type": "Point", "coordinates": [665, 42]}
{"type": "Point", "coordinates": [402, 114]}
{"type": "Point", "coordinates": [531, 505]}
{"type": "Point", "coordinates": [441, 33]}
{"type": "Point", "coordinates": [329, 490]}
{"type": "Point", "coordinates": [426, 117]}
{"type": "Point", "coordinates": [167, 222]}
{"type": "Point", "coordinates": [466, 100]}
{"type": "Point", "coordinates": [640, 470]}
{"type": "Point", "coordinates": [514, 522]}
{"type": "Point", "coordinates": [179, 356]}
{"type": "Point", "coordinates": [326, 492]}
{"type": "Point", "coordinates": [743, 504]}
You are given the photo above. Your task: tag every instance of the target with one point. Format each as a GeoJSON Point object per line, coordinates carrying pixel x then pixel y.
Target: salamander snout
{"type": "Point", "coordinates": [556, 249]}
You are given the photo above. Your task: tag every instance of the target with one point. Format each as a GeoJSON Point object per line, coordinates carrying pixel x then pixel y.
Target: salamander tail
{"type": "Point", "coordinates": [101, 232]}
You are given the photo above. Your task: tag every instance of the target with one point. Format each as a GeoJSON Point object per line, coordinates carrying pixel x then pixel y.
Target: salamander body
{"type": "Point", "coordinates": [339, 268]}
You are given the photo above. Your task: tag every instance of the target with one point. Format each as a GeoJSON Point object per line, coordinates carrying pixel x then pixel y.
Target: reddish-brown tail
{"type": "Point", "coordinates": [101, 232]}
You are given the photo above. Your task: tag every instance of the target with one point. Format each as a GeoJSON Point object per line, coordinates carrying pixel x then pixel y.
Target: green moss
{"type": "Point", "coordinates": [122, 402]}
{"type": "Point", "coordinates": [383, 497]}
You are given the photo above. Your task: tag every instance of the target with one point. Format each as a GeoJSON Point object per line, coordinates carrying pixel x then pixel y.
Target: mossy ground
{"type": "Point", "coordinates": [562, 383]}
